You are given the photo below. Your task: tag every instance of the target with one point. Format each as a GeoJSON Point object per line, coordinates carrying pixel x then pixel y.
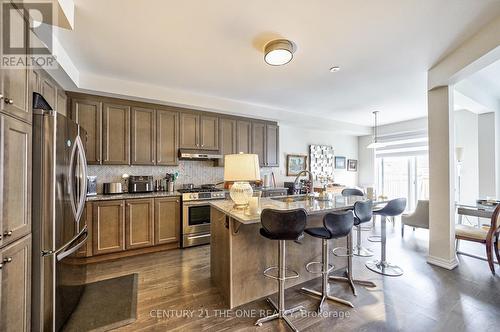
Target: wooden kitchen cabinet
{"type": "Point", "coordinates": [167, 141]}
{"type": "Point", "coordinates": [167, 220]}
{"type": "Point", "coordinates": [227, 138]}
{"type": "Point", "coordinates": [14, 89]}
{"type": "Point", "coordinates": [244, 136]}
{"type": "Point", "coordinates": [15, 286]}
{"type": "Point", "coordinates": [199, 131]}
{"type": "Point", "coordinates": [259, 141]}
{"type": "Point", "coordinates": [143, 138]}
{"type": "Point", "coordinates": [48, 90]}
{"type": "Point", "coordinates": [15, 179]}
{"type": "Point", "coordinates": [139, 223]}
{"type": "Point", "coordinates": [272, 145]}
{"type": "Point", "coordinates": [209, 132]}
{"type": "Point", "coordinates": [108, 227]}
{"type": "Point", "coordinates": [62, 102]}
{"type": "Point", "coordinates": [189, 130]}
{"type": "Point", "coordinates": [115, 134]}
{"type": "Point", "coordinates": [87, 112]}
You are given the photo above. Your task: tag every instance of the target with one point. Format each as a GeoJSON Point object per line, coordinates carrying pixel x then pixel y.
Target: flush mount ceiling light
{"type": "Point", "coordinates": [278, 52]}
{"type": "Point", "coordinates": [375, 144]}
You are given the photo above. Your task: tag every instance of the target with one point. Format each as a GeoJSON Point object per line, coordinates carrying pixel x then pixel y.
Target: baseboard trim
{"type": "Point", "coordinates": [445, 264]}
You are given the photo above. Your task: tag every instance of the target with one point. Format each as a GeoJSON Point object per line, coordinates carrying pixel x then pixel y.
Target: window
{"type": "Point", "coordinates": [404, 176]}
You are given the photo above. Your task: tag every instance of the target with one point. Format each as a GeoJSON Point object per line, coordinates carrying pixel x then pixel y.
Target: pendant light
{"type": "Point", "coordinates": [375, 144]}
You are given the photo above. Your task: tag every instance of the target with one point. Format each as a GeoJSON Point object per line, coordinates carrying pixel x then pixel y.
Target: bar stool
{"type": "Point", "coordinates": [336, 225]}
{"type": "Point", "coordinates": [393, 208]}
{"type": "Point", "coordinates": [352, 192]}
{"type": "Point", "coordinates": [362, 213]}
{"type": "Point", "coordinates": [281, 226]}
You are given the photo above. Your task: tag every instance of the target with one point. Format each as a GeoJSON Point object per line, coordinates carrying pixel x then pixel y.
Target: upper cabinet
{"type": "Point", "coordinates": [243, 136]}
{"type": "Point", "coordinates": [124, 132]}
{"type": "Point", "coordinates": [143, 140]}
{"type": "Point", "coordinates": [198, 131]}
{"type": "Point", "coordinates": [115, 134]}
{"type": "Point", "coordinates": [209, 132]}
{"type": "Point", "coordinates": [167, 137]}
{"type": "Point", "coordinates": [265, 143]}
{"type": "Point", "coordinates": [14, 90]}
{"type": "Point", "coordinates": [62, 102]}
{"type": "Point", "coordinates": [272, 145]}
{"type": "Point", "coordinates": [259, 141]}
{"type": "Point", "coordinates": [190, 130]}
{"type": "Point", "coordinates": [227, 138]}
{"type": "Point", "coordinates": [87, 112]}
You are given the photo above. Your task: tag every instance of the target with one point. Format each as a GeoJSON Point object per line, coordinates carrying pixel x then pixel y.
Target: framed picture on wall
{"type": "Point", "coordinates": [339, 162]}
{"type": "Point", "coordinates": [352, 165]}
{"type": "Point", "coordinates": [295, 163]}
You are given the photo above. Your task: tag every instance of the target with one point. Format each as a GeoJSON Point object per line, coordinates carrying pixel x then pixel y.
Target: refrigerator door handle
{"type": "Point", "coordinates": [83, 187]}
{"type": "Point", "coordinates": [71, 181]}
{"type": "Point", "coordinates": [72, 241]}
{"type": "Point", "coordinates": [65, 253]}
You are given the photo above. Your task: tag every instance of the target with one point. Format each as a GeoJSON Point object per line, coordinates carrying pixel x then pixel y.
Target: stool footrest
{"type": "Point", "coordinates": [347, 254]}
{"type": "Point", "coordinates": [308, 265]}
{"type": "Point", "coordinates": [267, 271]}
{"type": "Point", "coordinates": [375, 238]}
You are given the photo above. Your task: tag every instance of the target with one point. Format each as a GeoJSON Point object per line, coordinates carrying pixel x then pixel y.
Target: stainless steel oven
{"type": "Point", "coordinates": [196, 215]}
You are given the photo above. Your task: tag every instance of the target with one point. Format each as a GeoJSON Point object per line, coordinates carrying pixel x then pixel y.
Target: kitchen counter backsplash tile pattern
{"type": "Point", "coordinates": [196, 172]}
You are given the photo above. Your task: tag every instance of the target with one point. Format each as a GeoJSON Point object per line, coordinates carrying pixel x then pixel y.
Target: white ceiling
{"type": "Point", "coordinates": [214, 49]}
{"type": "Point", "coordinates": [482, 88]}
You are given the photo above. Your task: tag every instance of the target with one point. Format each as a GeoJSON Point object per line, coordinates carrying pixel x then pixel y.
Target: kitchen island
{"type": "Point", "coordinates": [239, 254]}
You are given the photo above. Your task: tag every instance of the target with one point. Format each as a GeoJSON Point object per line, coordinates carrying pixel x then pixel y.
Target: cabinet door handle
{"type": "Point", "coordinates": [7, 260]}
{"type": "Point", "coordinates": [1, 265]}
{"type": "Point", "coordinates": [7, 233]}
{"type": "Point", "coordinates": [8, 100]}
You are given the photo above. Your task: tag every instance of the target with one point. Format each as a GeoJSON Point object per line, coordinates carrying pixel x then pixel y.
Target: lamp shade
{"type": "Point", "coordinates": [241, 167]}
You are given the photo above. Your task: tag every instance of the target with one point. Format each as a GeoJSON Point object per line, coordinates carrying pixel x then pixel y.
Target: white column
{"type": "Point", "coordinates": [442, 178]}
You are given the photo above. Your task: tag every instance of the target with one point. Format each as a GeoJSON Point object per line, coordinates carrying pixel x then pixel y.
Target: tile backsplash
{"type": "Point", "coordinates": [197, 172]}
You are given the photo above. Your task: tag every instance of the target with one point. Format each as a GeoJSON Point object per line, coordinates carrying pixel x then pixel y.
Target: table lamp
{"type": "Point", "coordinates": [241, 168]}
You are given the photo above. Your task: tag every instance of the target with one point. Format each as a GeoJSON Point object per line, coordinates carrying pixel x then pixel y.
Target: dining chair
{"type": "Point", "coordinates": [488, 237]}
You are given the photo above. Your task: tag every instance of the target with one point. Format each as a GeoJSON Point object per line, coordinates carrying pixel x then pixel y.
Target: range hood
{"type": "Point", "coordinates": [199, 155]}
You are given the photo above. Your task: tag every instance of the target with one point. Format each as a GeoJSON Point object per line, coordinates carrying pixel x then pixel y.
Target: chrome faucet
{"type": "Point", "coordinates": [311, 184]}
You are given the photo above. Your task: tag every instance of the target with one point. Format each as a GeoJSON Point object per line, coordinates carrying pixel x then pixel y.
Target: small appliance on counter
{"type": "Point", "coordinates": [109, 188]}
{"type": "Point", "coordinates": [140, 184]}
{"type": "Point", "coordinates": [91, 185]}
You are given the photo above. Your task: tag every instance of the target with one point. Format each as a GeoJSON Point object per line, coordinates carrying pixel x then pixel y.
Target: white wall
{"type": "Point", "coordinates": [466, 136]}
{"type": "Point", "coordinates": [296, 140]}
{"type": "Point", "coordinates": [486, 155]}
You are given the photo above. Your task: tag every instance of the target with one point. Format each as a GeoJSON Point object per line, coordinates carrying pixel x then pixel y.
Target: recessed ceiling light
{"type": "Point", "coordinates": [278, 52]}
{"type": "Point", "coordinates": [334, 69]}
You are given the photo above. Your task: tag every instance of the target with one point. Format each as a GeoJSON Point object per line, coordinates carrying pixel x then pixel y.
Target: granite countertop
{"type": "Point", "coordinates": [155, 194]}
{"type": "Point", "coordinates": [338, 203]}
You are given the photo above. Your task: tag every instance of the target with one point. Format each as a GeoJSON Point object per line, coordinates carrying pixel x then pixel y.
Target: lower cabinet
{"type": "Point", "coordinates": [108, 227]}
{"type": "Point", "coordinates": [167, 220]}
{"type": "Point", "coordinates": [121, 225]}
{"type": "Point", "coordinates": [15, 286]}
{"type": "Point", "coordinates": [139, 223]}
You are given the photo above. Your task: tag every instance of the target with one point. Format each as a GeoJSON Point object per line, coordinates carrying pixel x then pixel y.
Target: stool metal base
{"type": "Point", "coordinates": [325, 297]}
{"type": "Point", "coordinates": [325, 287]}
{"type": "Point", "coordinates": [280, 315]}
{"type": "Point", "coordinates": [384, 268]}
{"type": "Point", "coordinates": [348, 278]}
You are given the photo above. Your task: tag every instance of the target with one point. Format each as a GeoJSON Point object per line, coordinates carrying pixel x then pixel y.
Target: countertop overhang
{"type": "Point", "coordinates": [311, 206]}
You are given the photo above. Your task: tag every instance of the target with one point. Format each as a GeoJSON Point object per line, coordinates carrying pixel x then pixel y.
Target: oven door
{"type": "Point", "coordinates": [196, 217]}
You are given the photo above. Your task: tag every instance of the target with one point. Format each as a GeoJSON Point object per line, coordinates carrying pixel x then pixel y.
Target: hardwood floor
{"type": "Point", "coordinates": [175, 294]}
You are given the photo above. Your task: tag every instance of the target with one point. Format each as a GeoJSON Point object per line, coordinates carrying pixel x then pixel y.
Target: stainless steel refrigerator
{"type": "Point", "coordinates": [59, 231]}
